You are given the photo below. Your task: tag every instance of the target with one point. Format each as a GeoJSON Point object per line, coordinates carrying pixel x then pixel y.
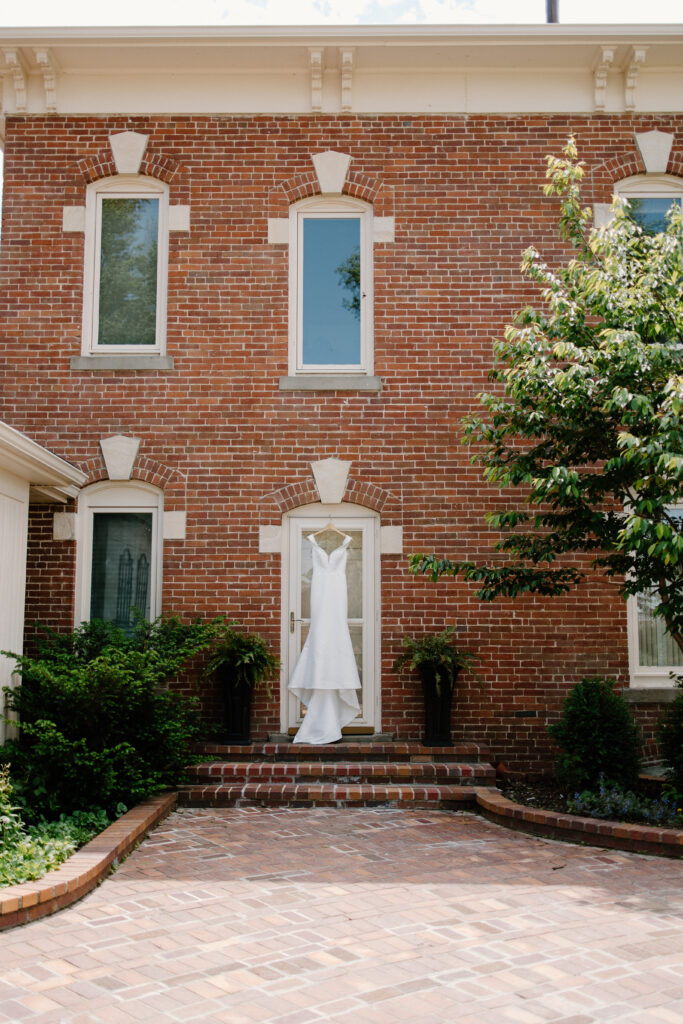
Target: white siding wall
{"type": "Point", "coordinates": [13, 531]}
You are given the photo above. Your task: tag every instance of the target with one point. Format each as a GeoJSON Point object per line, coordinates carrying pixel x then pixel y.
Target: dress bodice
{"type": "Point", "coordinates": [335, 561]}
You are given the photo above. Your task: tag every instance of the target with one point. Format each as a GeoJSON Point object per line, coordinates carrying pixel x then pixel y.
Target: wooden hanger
{"type": "Point", "coordinates": [329, 526]}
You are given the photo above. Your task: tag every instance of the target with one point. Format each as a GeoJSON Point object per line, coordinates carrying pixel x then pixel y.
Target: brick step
{"type": "Point", "coordinates": [347, 751]}
{"type": "Point", "coordinates": [327, 794]}
{"type": "Point", "coordinates": [404, 772]}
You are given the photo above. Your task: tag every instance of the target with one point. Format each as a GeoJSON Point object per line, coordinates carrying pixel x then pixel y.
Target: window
{"type": "Point", "coordinates": [119, 553]}
{"type": "Point", "coordinates": [126, 254]}
{"type": "Point", "coordinates": [653, 653]}
{"type": "Point", "coordinates": [650, 197]}
{"type": "Point", "coordinates": [331, 287]}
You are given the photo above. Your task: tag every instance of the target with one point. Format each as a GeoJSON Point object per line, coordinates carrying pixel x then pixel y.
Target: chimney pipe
{"type": "Point", "coordinates": [551, 12]}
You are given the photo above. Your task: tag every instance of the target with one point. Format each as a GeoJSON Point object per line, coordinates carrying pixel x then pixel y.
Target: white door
{"type": "Point", "coordinates": [362, 576]}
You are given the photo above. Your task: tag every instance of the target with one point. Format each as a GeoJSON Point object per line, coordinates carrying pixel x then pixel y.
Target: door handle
{"type": "Point", "coordinates": [292, 620]}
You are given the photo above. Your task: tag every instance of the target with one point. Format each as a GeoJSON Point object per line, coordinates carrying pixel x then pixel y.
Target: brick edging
{"type": "Point", "coordinates": [570, 828]}
{"type": "Point", "coordinates": [85, 869]}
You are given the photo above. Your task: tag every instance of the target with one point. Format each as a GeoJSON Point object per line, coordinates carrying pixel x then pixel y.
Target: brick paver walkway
{"type": "Point", "coordinates": [370, 916]}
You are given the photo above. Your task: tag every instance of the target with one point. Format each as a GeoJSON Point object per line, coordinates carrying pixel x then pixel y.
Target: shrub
{"type": "Point", "coordinates": [597, 736]}
{"type": "Point", "coordinates": [27, 853]}
{"type": "Point", "coordinates": [670, 735]}
{"type": "Point", "coordinates": [618, 804]}
{"type": "Point", "coordinates": [97, 726]}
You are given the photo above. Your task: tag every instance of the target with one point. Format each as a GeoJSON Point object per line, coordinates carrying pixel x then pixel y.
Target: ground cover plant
{"type": "Point", "coordinates": [99, 729]}
{"type": "Point", "coordinates": [28, 852]}
{"type": "Point", "coordinates": [612, 801]}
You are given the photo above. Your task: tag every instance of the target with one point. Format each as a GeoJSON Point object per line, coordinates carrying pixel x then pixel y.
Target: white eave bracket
{"type": "Point", "coordinates": [48, 66]}
{"type": "Point", "coordinates": [601, 70]}
{"type": "Point", "coordinates": [635, 63]}
{"type": "Point", "coordinates": [17, 68]}
{"type": "Point", "coordinates": [316, 65]}
{"type": "Point", "coordinates": [346, 58]}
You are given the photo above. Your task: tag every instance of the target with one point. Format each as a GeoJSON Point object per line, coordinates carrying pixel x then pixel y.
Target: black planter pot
{"type": "Point", "coordinates": [236, 708]}
{"type": "Point", "coordinates": [437, 711]}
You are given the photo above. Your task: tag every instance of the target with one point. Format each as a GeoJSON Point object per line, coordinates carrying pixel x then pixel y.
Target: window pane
{"type": "Point", "coordinates": [650, 213]}
{"type": "Point", "coordinates": [655, 646]}
{"type": "Point", "coordinates": [331, 291]}
{"type": "Point", "coordinates": [121, 558]}
{"type": "Point", "coordinates": [128, 272]}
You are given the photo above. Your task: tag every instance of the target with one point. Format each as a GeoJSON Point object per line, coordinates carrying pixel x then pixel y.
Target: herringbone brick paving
{"type": "Point", "coordinates": [364, 915]}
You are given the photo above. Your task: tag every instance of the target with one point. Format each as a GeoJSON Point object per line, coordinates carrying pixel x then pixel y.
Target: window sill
{"type": "Point", "coordinates": [122, 362]}
{"type": "Point", "coordinates": [650, 694]}
{"type": "Point", "coordinates": [331, 382]}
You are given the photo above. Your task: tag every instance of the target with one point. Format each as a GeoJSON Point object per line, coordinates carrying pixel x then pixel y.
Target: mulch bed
{"type": "Point", "coordinates": [543, 793]}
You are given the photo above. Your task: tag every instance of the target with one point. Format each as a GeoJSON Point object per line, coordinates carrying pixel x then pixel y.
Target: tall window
{"type": "Point", "coordinates": [331, 287]}
{"type": "Point", "coordinates": [124, 306]}
{"type": "Point", "coordinates": [119, 553]}
{"type": "Point", "coordinates": [653, 654]}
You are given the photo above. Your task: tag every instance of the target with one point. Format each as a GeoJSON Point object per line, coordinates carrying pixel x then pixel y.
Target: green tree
{"type": "Point", "coordinates": [586, 423]}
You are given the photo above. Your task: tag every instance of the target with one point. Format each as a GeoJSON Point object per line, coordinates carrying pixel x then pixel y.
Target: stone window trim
{"type": "Point", "coordinates": [320, 207]}
{"type": "Point", "coordinates": [124, 186]}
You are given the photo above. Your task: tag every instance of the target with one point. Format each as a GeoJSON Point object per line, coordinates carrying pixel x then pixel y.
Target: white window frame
{"type": "Point", "coordinates": [650, 186]}
{"type": "Point", "coordinates": [645, 676]}
{"type": "Point", "coordinates": [117, 496]}
{"type": "Point", "coordinates": [317, 207]}
{"type": "Point", "coordinates": [122, 186]}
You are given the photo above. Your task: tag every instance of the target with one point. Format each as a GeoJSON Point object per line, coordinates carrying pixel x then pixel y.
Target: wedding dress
{"type": "Point", "coordinates": [325, 678]}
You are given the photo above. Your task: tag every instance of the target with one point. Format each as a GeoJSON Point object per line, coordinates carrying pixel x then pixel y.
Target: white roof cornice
{"type": "Point", "coordinates": [395, 69]}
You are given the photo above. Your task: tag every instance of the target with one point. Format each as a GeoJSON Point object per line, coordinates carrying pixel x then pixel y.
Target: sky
{"type": "Point", "coordinates": [333, 12]}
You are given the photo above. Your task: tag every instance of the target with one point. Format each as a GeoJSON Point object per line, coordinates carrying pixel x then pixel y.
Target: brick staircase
{"type": "Point", "coordinates": [343, 774]}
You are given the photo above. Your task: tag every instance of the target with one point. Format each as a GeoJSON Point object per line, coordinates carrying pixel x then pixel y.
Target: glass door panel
{"type": "Point", "coordinates": [360, 597]}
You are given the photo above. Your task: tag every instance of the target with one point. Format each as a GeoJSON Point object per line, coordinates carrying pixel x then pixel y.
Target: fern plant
{"type": "Point", "coordinates": [435, 657]}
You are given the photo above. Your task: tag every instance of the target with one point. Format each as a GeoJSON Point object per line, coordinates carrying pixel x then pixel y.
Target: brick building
{"type": "Point", "coordinates": [251, 282]}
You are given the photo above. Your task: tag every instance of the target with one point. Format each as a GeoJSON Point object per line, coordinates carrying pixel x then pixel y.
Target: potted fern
{"type": "Point", "coordinates": [438, 663]}
{"type": "Point", "coordinates": [241, 662]}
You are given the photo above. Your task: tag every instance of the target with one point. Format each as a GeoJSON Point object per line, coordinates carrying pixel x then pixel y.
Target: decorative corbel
{"type": "Point", "coordinates": [636, 61]}
{"type": "Point", "coordinates": [316, 60]}
{"type": "Point", "coordinates": [600, 72]}
{"type": "Point", "coordinates": [47, 65]}
{"type": "Point", "coordinates": [346, 79]}
{"type": "Point", "coordinates": [15, 63]}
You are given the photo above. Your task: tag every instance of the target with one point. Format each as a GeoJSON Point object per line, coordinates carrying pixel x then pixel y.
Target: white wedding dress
{"type": "Point", "coordinates": [325, 678]}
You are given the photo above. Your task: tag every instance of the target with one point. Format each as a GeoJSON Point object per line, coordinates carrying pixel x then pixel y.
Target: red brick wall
{"type": "Point", "coordinates": [50, 570]}
{"type": "Point", "coordinates": [466, 195]}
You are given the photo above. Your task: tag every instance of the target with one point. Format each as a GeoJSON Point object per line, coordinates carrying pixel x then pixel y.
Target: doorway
{"type": "Point", "coordinates": [363, 583]}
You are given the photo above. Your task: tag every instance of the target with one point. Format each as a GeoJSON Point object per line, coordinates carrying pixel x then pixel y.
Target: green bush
{"type": "Point", "coordinates": [97, 726]}
{"type": "Point", "coordinates": [671, 737]}
{"type": "Point", "coordinates": [597, 737]}
{"type": "Point", "coordinates": [28, 853]}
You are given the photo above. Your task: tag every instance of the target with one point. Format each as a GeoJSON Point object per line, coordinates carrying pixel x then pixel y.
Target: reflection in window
{"type": "Point", "coordinates": [128, 271]}
{"type": "Point", "coordinates": [650, 212]}
{"type": "Point", "coordinates": [331, 303]}
{"type": "Point", "coordinates": [121, 541]}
